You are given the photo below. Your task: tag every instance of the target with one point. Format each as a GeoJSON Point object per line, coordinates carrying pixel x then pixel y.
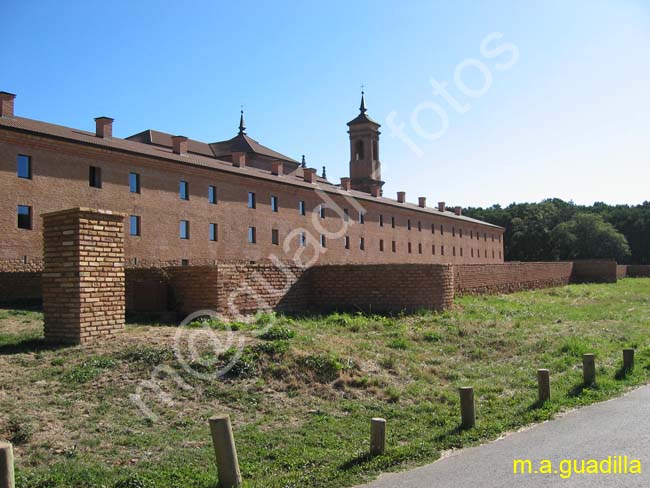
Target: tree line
{"type": "Point", "coordinates": [557, 230]}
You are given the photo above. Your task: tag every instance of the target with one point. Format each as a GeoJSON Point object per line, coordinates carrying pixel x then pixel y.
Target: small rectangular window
{"type": "Point", "coordinates": [251, 199]}
{"type": "Point", "coordinates": [420, 248]}
{"type": "Point", "coordinates": [322, 211]}
{"type": "Point", "coordinates": [24, 217]}
{"type": "Point", "coordinates": [471, 234]}
{"type": "Point", "coordinates": [433, 228]}
{"type": "Point", "coordinates": [303, 239]}
{"type": "Point", "coordinates": [492, 253]}
{"type": "Point", "coordinates": [185, 262]}
{"type": "Point", "coordinates": [485, 253]}
{"type": "Point", "coordinates": [252, 235]}
{"type": "Point", "coordinates": [323, 241]}
{"type": "Point", "coordinates": [214, 232]}
{"type": "Point", "coordinates": [471, 252]}
{"type": "Point", "coordinates": [460, 233]}
{"type": "Point", "coordinates": [410, 250]}
{"type": "Point", "coordinates": [362, 218]}
{"type": "Point", "coordinates": [95, 177]}
{"type": "Point", "coordinates": [185, 229]}
{"type": "Point", "coordinates": [442, 250]}
{"type": "Point", "coordinates": [485, 237]}
{"type": "Point", "coordinates": [492, 237]}
{"type": "Point", "coordinates": [275, 237]}
{"type": "Point", "coordinates": [362, 244]}
{"type": "Point", "coordinates": [134, 182]}
{"type": "Point", "coordinates": [347, 242]}
{"type": "Point", "coordinates": [394, 246]}
{"type": "Point", "coordinates": [184, 190]}
{"type": "Point", "coordinates": [274, 203]}
{"type": "Point", "coordinates": [392, 222]}
{"type": "Point", "coordinates": [381, 245]}
{"type": "Point", "coordinates": [408, 224]}
{"type": "Point", "coordinates": [461, 252]}
{"type": "Point", "coordinates": [433, 249]}
{"type": "Point", "coordinates": [346, 215]}
{"type": "Point", "coordinates": [442, 230]}
{"type": "Point", "coordinates": [381, 220]}
{"type": "Point", "coordinates": [134, 225]}
{"type": "Point", "coordinates": [24, 166]}
{"type": "Point", "coordinates": [212, 194]}
{"type": "Point", "coordinates": [419, 225]}
{"type": "Point", "coordinates": [499, 254]}
{"type": "Point", "coordinates": [453, 232]}
{"type": "Point", "coordinates": [301, 207]}
{"type": "Point", "coordinates": [453, 251]}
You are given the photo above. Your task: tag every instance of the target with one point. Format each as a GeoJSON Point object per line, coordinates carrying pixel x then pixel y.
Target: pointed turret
{"type": "Point", "coordinates": [242, 126]}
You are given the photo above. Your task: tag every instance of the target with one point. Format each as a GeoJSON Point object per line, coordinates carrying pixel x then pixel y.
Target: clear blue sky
{"type": "Point", "coordinates": [569, 117]}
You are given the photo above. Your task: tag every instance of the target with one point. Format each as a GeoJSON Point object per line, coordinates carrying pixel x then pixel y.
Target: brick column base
{"type": "Point", "coordinates": [83, 274]}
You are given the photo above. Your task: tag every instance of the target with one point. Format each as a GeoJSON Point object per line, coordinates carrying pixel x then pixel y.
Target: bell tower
{"type": "Point", "coordinates": [365, 168]}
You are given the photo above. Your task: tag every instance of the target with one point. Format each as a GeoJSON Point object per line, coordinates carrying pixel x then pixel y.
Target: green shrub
{"type": "Point", "coordinates": [277, 333]}
{"type": "Point", "coordinates": [399, 343]}
{"type": "Point", "coordinates": [20, 430]}
{"type": "Point", "coordinates": [89, 369]}
{"type": "Point", "coordinates": [325, 368]}
{"type": "Point", "coordinates": [241, 364]}
{"type": "Point", "coordinates": [151, 356]}
{"type": "Point", "coordinates": [432, 336]}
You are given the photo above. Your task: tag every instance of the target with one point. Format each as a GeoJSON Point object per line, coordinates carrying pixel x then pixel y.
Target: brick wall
{"type": "Point", "coordinates": [621, 271]}
{"type": "Point", "coordinates": [510, 277]}
{"type": "Point", "coordinates": [638, 271]}
{"type": "Point", "coordinates": [381, 288]}
{"type": "Point", "coordinates": [83, 274]}
{"type": "Point", "coordinates": [594, 272]}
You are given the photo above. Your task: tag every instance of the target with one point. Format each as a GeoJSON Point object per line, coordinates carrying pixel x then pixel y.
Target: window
{"type": "Point", "coordinates": [485, 237]}
{"type": "Point", "coordinates": [362, 218]}
{"type": "Point", "coordinates": [453, 231]}
{"type": "Point", "coordinates": [493, 254]}
{"type": "Point", "coordinates": [381, 245]}
{"type": "Point", "coordinates": [323, 242]}
{"type": "Point", "coordinates": [461, 252]}
{"type": "Point", "coordinates": [275, 237]}
{"type": "Point", "coordinates": [362, 244]}
{"type": "Point", "coordinates": [212, 194]}
{"type": "Point", "coordinates": [375, 150]}
{"type": "Point", "coordinates": [420, 248]}
{"type": "Point", "coordinates": [442, 230]}
{"type": "Point", "coordinates": [185, 229]}
{"type": "Point", "coordinates": [419, 225]}
{"type": "Point", "coordinates": [134, 225]}
{"type": "Point", "coordinates": [485, 252]}
{"type": "Point", "coordinates": [346, 214]}
{"type": "Point", "coordinates": [185, 262]}
{"type": "Point", "coordinates": [394, 246]}
{"type": "Point", "coordinates": [251, 199]}
{"type": "Point", "coordinates": [433, 228]}
{"type": "Point", "coordinates": [471, 234]}
{"type": "Point", "coordinates": [184, 190]}
{"type": "Point", "coordinates": [409, 248]}
{"type": "Point", "coordinates": [392, 222]}
{"type": "Point", "coordinates": [499, 254]}
{"type": "Point", "coordinates": [301, 207]}
{"type": "Point", "coordinates": [492, 237]}
{"type": "Point", "coordinates": [24, 217]}
{"type": "Point", "coordinates": [453, 251]}
{"type": "Point", "coordinates": [460, 233]}
{"type": "Point", "coordinates": [472, 252]}
{"type": "Point", "coordinates": [442, 250]}
{"type": "Point", "coordinates": [381, 220]}
{"type": "Point", "coordinates": [274, 204]}
{"type": "Point", "coordinates": [408, 224]}
{"type": "Point", "coordinates": [302, 239]}
{"type": "Point", "coordinates": [321, 211]}
{"type": "Point", "coordinates": [347, 242]}
{"type": "Point", "coordinates": [134, 182]}
{"type": "Point", "coordinates": [433, 249]}
{"type": "Point", "coordinates": [252, 235]}
{"type": "Point", "coordinates": [214, 232]}
{"type": "Point", "coordinates": [24, 167]}
{"type": "Point", "coordinates": [95, 177]}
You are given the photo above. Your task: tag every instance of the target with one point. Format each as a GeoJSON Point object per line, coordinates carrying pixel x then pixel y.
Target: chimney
{"type": "Point", "coordinates": [401, 196]}
{"type": "Point", "coordinates": [179, 144]}
{"type": "Point", "coordinates": [345, 184]}
{"type": "Point", "coordinates": [422, 202]}
{"type": "Point", "coordinates": [375, 190]}
{"type": "Point", "coordinates": [458, 210]}
{"type": "Point", "coordinates": [104, 127]}
{"type": "Point", "coordinates": [7, 104]}
{"type": "Point", "coordinates": [239, 159]}
{"type": "Point", "coordinates": [441, 206]}
{"type": "Point", "coordinates": [277, 168]}
{"type": "Point", "coordinates": [309, 175]}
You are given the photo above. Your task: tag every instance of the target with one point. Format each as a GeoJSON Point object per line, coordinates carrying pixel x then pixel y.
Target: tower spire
{"type": "Point", "coordinates": [242, 126]}
{"type": "Point", "coordinates": [362, 107]}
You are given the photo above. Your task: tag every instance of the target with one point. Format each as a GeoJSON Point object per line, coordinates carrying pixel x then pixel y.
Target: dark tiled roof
{"type": "Point", "coordinates": [158, 138]}
{"type": "Point", "coordinates": [243, 143]}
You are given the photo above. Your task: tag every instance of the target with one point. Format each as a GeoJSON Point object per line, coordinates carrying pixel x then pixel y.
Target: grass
{"type": "Point", "coordinates": [302, 391]}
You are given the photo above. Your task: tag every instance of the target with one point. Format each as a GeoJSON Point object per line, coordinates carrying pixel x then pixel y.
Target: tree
{"type": "Point", "coordinates": [589, 236]}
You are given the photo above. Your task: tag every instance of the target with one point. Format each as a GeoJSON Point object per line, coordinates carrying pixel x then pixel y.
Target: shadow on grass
{"type": "Point", "coordinates": [30, 345]}
{"type": "Point", "coordinates": [579, 389]}
{"type": "Point", "coordinates": [623, 372]}
{"type": "Point", "coordinates": [357, 461]}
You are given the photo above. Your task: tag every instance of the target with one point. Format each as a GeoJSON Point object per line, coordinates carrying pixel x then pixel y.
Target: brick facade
{"type": "Point", "coordinates": [594, 271]}
{"type": "Point", "coordinates": [83, 275]}
{"type": "Point", "coordinates": [638, 271]}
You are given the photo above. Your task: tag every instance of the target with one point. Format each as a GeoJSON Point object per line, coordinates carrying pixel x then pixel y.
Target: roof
{"type": "Point", "coordinates": [196, 159]}
{"type": "Point", "coordinates": [243, 143]}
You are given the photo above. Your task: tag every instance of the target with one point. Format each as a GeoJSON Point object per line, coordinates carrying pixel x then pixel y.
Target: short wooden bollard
{"type": "Point", "coordinates": [6, 466]}
{"type": "Point", "coordinates": [543, 385]}
{"type": "Point", "coordinates": [628, 359]}
{"type": "Point", "coordinates": [588, 369]}
{"type": "Point", "coordinates": [225, 451]}
{"type": "Point", "coordinates": [467, 411]}
{"type": "Point", "coordinates": [377, 436]}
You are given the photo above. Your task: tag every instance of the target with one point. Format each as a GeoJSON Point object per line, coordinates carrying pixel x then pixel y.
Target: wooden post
{"type": "Point", "coordinates": [588, 369]}
{"type": "Point", "coordinates": [628, 359]}
{"type": "Point", "coordinates": [467, 411]}
{"type": "Point", "coordinates": [6, 466]}
{"type": "Point", "coordinates": [543, 385]}
{"type": "Point", "coordinates": [377, 436]}
{"type": "Point", "coordinates": [225, 451]}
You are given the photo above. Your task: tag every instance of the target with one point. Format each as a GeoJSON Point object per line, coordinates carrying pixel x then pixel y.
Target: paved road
{"type": "Point", "coordinates": [617, 427]}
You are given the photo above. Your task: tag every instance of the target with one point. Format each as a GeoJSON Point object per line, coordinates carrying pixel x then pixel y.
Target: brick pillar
{"type": "Point", "coordinates": [83, 274]}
